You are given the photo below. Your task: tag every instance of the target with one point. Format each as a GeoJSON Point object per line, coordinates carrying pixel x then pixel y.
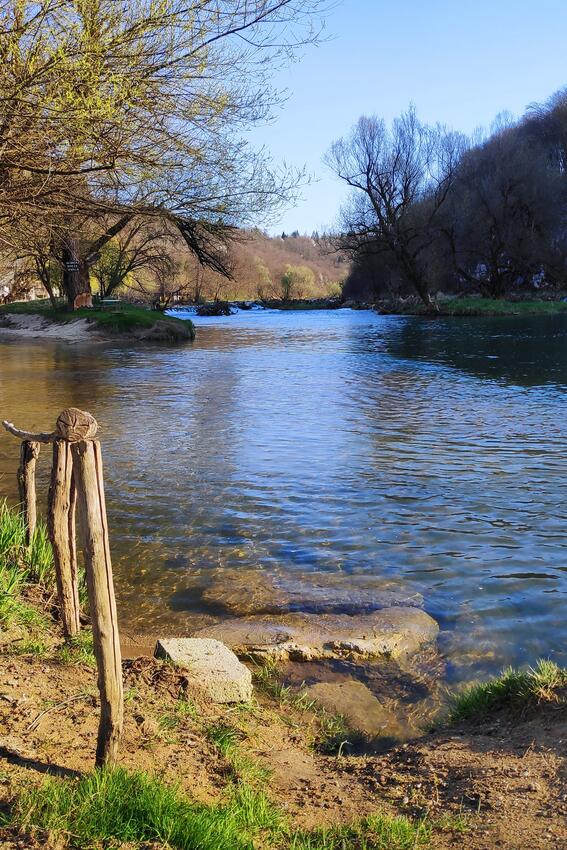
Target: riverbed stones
{"type": "Point", "coordinates": [250, 592]}
{"type": "Point", "coordinates": [360, 708]}
{"type": "Point", "coordinates": [213, 666]}
{"type": "Point", "coordinates": [392, 632]}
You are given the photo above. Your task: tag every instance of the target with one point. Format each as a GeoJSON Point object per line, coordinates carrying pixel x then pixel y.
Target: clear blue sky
{"type": "Point", "coordinates": [460, 62]}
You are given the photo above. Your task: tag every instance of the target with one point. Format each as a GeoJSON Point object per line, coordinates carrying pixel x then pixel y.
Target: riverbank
{"type": "Point", "coordinates": [277, 772]}
{"type": "Point", "coordinates": [411, 306]}
{"type": "Point", "coordinates": [472, 307]}
{"type": "Point", "coordinates": [38, 319]}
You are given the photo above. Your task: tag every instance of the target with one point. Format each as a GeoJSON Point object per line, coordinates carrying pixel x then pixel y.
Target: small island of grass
{"type": "Point", "coordinates": [120, 320]}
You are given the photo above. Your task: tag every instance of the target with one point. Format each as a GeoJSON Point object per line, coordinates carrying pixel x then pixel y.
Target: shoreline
{"type": "Point", "coordinates": [25, 322]}
{"type": "Point", "coordinates": [288, 771]}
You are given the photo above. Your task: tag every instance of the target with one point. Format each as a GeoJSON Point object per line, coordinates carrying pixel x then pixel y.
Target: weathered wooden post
{"type": "Point", "coordinates": [61, 526]}
{"type": "Point", "coordinates": [87, 460]}
{"type": "Point", "coordinates": [77, 473]}
{"type": "Point", "coordinates": [29, 454]}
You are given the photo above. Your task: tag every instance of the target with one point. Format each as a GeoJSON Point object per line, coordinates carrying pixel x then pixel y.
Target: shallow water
{"type": "Point", "coordinates": [428, 452]}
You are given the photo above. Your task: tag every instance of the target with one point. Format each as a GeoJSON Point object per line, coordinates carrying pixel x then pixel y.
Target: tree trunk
{"type": "Point", "coordinates": [61, 525]}
{"type": "Point", "coordinates": [87, 463]}
{"type": "Point", "coordinates": [26, 483]}
{"type": "Point", "coordinates": [76, 280]}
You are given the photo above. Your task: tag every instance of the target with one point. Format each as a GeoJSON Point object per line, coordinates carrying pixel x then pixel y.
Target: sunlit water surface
{"type": "Point", "coordinates": [432, 452]}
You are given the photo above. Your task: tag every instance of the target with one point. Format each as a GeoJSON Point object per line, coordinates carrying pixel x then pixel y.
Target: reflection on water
{"type": "Point", "coordinates": [430, 452]}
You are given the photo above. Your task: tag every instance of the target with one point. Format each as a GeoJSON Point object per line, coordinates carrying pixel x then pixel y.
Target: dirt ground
{"type": "Point", "coordinates": [503, 785]}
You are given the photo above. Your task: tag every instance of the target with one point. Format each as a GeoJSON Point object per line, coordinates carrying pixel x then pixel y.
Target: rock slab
{"type": "Point", "coordinates": [213, 666]}
{"type": "Point", "coordinates": [242, 593]}
{"type": "Point", "coordinates": [360, 708]}
{"type": "Point", "coordinates": [393, 633]}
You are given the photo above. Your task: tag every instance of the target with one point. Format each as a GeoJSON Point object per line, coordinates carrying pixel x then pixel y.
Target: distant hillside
{"type": "Point", "coordinates": [274, 267]}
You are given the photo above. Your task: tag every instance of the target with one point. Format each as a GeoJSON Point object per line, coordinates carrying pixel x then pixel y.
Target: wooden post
{"type": "Point", "coordinates": [87, 464]}
{"type": "Point", "coordinates": [77, 479]}
{"type": "Point", "coordinates": [61, 526]}
{"type": "Point", "coordinates": [29, 454]}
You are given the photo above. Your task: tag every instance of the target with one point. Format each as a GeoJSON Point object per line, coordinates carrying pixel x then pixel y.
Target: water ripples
{"type": "Point", "coordinates": [429, 452]}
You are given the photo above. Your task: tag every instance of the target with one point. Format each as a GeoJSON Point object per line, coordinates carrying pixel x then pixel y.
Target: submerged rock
{"type": "Point", "coordinates": [361, 710]}
{"type": "Point", "coordinates": [393, 632]}
{"type": "Point", "coordinates": [214, 667]}
{"type": "Point", "coordinates": [245, 592]}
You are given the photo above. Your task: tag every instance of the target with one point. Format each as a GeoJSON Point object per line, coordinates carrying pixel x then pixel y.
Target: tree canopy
{"type": "Point", "coordinates": [127, 108]}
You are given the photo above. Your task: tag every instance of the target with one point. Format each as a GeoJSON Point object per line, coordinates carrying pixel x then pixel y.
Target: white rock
{"type": "Point", "coordinates": [213, 666]}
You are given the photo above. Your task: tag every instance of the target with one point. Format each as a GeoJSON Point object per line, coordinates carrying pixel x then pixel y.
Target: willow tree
{"type": "Point", "coordinates": [115, 109]}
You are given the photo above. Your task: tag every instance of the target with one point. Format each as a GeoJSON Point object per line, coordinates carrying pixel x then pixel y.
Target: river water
{"type": "Point", "coordinates": [429, 452]}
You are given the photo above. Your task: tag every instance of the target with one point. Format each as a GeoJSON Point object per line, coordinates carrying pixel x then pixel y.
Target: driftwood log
{"type": "Point", "coordinates": [29, 454]}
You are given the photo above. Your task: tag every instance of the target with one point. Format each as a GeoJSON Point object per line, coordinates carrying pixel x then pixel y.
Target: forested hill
{"type": "Point", "coordinates": [285, 266]}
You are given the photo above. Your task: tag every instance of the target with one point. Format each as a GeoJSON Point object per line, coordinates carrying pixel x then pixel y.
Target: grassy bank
{"type": "Point", "coordinates": [127, 320]}
{"type": "Point", "coordinates": [473, 307]}
{"type": "Point", "coordinates": [493, 307]}
{"type": "Point", "coordinates": [131, 808]}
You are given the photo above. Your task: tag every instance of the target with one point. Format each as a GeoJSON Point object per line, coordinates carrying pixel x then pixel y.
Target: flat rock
{"type": "Point", "coordinates": [362, 711]}
{"type": "Point", "coordinates": [213, 666]}
{"type": "Point", "coordinates": [246, 592]}
{"type": "Point", "coordinates": [393, 632]}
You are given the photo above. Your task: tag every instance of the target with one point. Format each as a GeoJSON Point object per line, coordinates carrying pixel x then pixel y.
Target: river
{"type": "Point", "coordinates": [429, 452]}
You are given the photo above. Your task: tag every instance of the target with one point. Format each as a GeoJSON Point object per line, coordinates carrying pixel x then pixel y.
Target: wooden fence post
{"type": "Point", "coordinates": [61, 526]}
{"type": "Point", "coordinates": [29, 454]}
{"type": "Point", "coordinates": [87, 464]}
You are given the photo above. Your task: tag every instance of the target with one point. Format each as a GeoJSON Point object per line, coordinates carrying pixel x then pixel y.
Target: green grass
{"type": "Point", "coordinates": [20, 565]}
{"type": "Point", "coordinates": [515, 690]}
{"type": "Point", "coordinates": [106, 808]}
{"type": "Point", "coordinates": [123, 321]}
{"type": "Point", "coordinates": [226, 739]}
{"type": "Point", "coordinates": [377, 832]}
{"type": "Point", "coordinates": [78, 649]}
{"type": "Point", "coordinates": [333, 735]}
{"type": "Point", "coordinates": [494, 307]}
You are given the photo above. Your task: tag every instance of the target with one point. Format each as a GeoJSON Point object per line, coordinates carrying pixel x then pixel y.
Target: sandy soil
{"type": "Point", "coordinates": [508, 780]}
{"type": "Point", "coordinates": [36, 327]}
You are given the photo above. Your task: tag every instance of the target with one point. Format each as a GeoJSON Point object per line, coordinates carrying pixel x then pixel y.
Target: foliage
{"type": "Point", "coordinates": [296, 282]}
{"type": "Point", "coordinates": [514, 690]}
{"type": "Point", "coordinates": [112, 113]}
{"type": "Point", "coordinates": [431, 210]}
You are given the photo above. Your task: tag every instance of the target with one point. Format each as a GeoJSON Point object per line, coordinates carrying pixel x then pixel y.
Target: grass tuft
{"type": "Point", "coordinates": [116, 806]}
{"type": "Point", "coordinates": [515, 690]}
{"type": "Point", "coordinates": [377, 832]}
{"type": "Point", "coordinates": [78, 649]}
{"type": "Point", "coordinates": [20, 565]}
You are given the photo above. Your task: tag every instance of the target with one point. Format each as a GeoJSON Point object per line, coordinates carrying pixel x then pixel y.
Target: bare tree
{"type": "Point", "coordinates": [401, 177]}
{"type": "Point", "coordinates": [505, 223]}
